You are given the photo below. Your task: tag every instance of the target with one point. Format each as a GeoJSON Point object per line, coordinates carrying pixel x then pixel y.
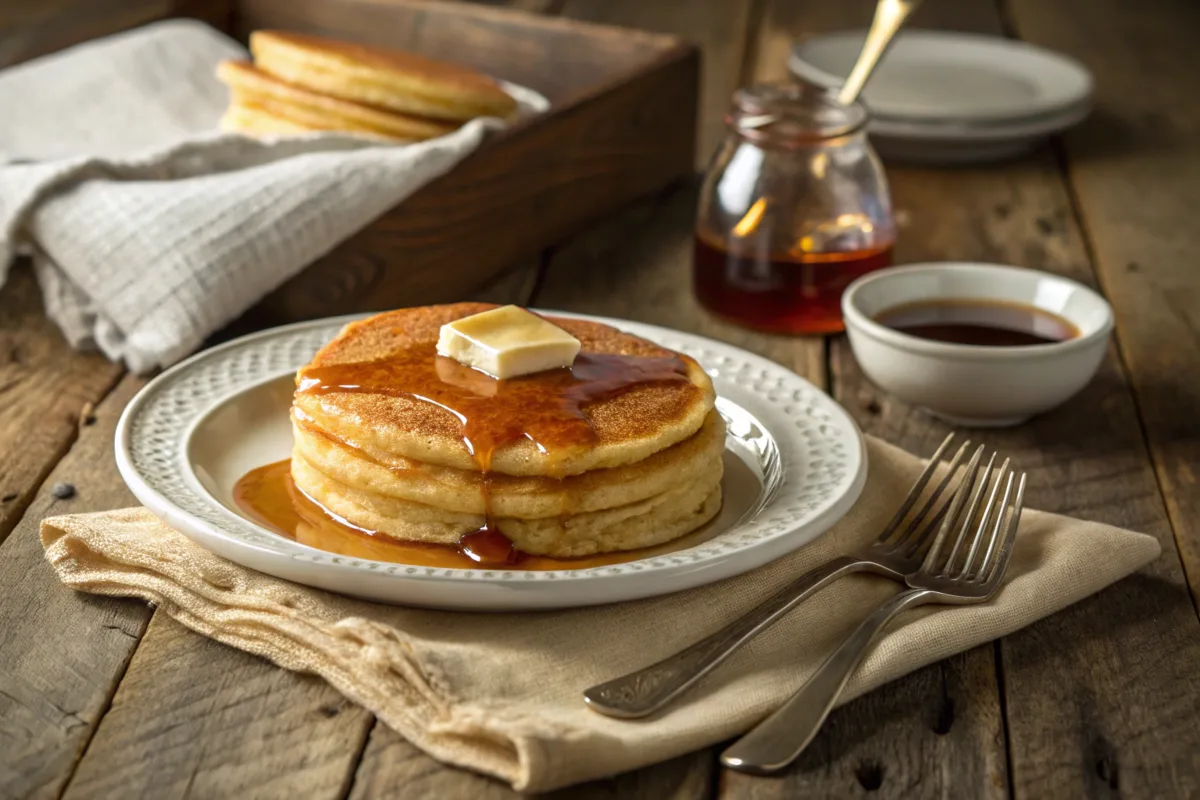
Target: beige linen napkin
{"type": "Point", "coordinates": [502, 693]}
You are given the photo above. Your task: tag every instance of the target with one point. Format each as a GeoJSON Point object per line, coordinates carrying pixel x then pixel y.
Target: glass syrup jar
{"type": "Point", "coordinates": [793, 208]}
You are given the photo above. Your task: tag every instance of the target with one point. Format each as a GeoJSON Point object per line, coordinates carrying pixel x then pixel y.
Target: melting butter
{"type": "Point", "coordinates": [507, 342]}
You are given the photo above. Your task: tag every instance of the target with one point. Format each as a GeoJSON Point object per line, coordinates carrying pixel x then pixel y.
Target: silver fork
{"type": "Point", "coordinates": [953, 578]}
{"type": "Point", "coordinates": [896, 552]}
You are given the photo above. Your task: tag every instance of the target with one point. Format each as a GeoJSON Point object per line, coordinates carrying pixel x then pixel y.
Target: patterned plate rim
{"type": "Point", "coordinates": [152, 437]}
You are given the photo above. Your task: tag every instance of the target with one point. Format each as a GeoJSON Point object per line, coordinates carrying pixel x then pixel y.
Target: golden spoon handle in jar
{"type": "Point", "coordinates": [889, 16]}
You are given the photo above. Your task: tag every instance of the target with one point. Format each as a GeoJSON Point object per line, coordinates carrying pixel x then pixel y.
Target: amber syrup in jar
{"type": "Point", "coordinates": [794, 207]}
{"type": "Point", "coordinates": [783, 292]}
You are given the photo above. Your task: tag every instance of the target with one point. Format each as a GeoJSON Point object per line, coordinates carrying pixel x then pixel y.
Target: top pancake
{"type": "Point", "coordinates": [627, 427]}
{"type": "Point", "coordinates": [403, 82]}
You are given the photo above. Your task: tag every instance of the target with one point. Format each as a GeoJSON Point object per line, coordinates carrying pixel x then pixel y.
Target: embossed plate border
{"type": "Point", "coordinates": [809, 451]}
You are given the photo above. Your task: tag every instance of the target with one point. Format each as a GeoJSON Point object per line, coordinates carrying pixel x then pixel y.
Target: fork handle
{"type": "Point", "coordinates": [641, 693]}
{"type": "Point", "coordinates": [780, 738]}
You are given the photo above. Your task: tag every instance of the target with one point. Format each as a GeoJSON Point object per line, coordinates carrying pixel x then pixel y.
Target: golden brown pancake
{"type": "Point", "coordinates": [242, 117]}
{"type": "Point", "coordinates": [622, 451]}
{"type": "Point", "coordinates": [654, 520]}
{"type": "Point", "coordinates": [253, 87]}
{"type": "Point", "coordinates": [402, 82]}
{"type": "Point", "coordinates": [526, 497]}
{"type": "Point", "coordinates": [626, 428]}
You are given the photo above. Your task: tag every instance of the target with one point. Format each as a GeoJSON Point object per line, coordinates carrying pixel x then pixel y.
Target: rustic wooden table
{"type": "Point", "coordinates": [104, 698]}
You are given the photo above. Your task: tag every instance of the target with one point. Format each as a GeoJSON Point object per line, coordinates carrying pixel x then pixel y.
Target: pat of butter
{"type": "Point", "coordinates": [507, 342]}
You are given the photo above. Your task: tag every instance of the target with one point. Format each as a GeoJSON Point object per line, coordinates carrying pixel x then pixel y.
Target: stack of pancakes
{"type": "Point", "coordinates": [393, 462]}
{"type": "Point", "coordinates": [300, 84]}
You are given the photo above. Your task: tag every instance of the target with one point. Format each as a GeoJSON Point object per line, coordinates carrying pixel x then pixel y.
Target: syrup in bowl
{"type": "Point", "coordinates": [982, 323]}
{"type": "Point", "coordinates": [976, 344]}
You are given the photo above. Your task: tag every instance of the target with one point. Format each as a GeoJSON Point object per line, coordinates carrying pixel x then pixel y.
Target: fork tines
{"type": "Point", "coordinates": [953, 506]}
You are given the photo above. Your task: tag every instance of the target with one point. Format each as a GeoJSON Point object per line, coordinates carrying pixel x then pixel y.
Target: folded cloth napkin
{"type": "Point", "coordinates": [150, 230]}
{"type": "Point", "coordinates": [502, 693]}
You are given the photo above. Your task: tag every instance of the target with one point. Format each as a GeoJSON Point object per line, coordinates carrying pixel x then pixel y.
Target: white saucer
{"type": "Point", "coordinates": [943, 97]}
{"type": "Point", "coordinates": [940, 75]}
{"type": "Point", "coordinates": [951, 143]}
{"type": "Point", "coordinates": [795, 463]}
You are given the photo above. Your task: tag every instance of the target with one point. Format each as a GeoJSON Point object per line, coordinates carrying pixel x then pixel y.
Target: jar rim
{"type": "Point", "coordinates": [792, 114]}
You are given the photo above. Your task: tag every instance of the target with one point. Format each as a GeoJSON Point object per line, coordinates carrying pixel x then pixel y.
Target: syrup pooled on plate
{"type": "Point", "coordinates": [547, 408]}
{"type": "Point", "coordinates": [268, 495]}
{"type": "Point", "coordinates": [985, 323]}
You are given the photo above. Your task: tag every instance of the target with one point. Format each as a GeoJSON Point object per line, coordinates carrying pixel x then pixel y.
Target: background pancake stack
{"type": "Point", "coordinates": [391, 461]}
{"type": "Point", "coordinates": [300, 84]}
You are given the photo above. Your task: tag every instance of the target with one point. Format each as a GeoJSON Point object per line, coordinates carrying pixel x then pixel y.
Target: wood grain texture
{"type": "Point", "coordinates": [1099, 700]}
{"type": "Point", "coordinates": [1080, 704]}
{"type": "Point", "coordinates": [28, 30]}
{"type": "Point", "coordinates": [721, 29]}
{"type": "Point", "coordinates": [622, 126]}
{"type": "Point", "coordinates": [938, 732]}
{"type": "Point", "coordinates": [62, 652]}
{"type": "Point", "coordinates": [193, 717]}
{"type": "Point", "coordinates": [1135, 169]}
{"type": "Point", "coordinates": [43, 386]}
{"type": "Point", "coordinates": [1086, 712]}
{"type": "Point", "coordinates": [935, 733]}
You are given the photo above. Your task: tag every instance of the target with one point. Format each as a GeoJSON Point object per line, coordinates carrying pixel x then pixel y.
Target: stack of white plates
{"type": "Point", "coordinates": [941, 97]}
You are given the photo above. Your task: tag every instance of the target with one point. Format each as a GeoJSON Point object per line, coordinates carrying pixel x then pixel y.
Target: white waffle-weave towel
{"type": "Point", "coordinates": [149, 230]}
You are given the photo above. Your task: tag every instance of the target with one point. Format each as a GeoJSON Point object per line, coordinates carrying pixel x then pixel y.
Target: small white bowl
{"type": "Point", "coordinates": [968, 384]}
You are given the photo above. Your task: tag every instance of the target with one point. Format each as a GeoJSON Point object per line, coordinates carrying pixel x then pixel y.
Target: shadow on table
{"type": "Point", "coordinates": [1106, 135]}
{"type": "Point", "coordinates": [922, 707]}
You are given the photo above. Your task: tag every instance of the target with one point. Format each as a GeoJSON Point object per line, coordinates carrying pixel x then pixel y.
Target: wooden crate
{"type": "Point", "coordinates": [621, 125]}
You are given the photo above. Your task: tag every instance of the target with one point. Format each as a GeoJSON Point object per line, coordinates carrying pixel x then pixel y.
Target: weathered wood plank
{"type": "Point", "coordinates": [44, 385]}
{"type": "Point", "coordinates": [28, 30]}
{"type": "Point", "coordinates": [63, 652]}
{"type": "Point", "coordinates": [1080, 696]}
{"type": "Point", "coordinates": [939, 731]}
{"type": "Point", "coordinates": [194, 717]}
{"type": "Point", "coordinates": [718, 26]}
{"type": "Point", "coordinates": [1135, 168]}
{"type": "Point", "coordinates": [1117, 723]}
{"type": "Point", "coordinates": [935, 733]}
{"type": "Point", "coordinates": [1098, 698]}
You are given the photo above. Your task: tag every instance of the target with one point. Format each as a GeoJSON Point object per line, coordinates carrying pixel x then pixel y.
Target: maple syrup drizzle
{"type": "Point", "coordinates": [268, 495]}
{"type": "Point", "coordinates": [547, 408]}
{"type": "Point", "coordinates": [306, 423]}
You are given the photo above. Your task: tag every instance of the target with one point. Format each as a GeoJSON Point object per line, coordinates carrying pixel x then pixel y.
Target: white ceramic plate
{"type": "Point", "coordinates": [795, 463]}
{"type": "Point", "coordinates": [942, 75]}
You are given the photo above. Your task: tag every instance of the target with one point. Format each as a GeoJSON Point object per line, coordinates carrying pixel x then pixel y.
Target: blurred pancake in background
{"type": "Point", "coordinates": [303, 84]}
{"type": "Point", "coordinates": [402, 82]}
{"type": "Point", "coordinates": [251, 87]}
